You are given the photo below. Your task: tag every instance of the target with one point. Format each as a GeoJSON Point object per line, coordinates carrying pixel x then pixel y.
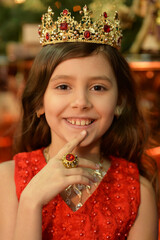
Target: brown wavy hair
{"type": "Point", "coordinates": [127, 137]}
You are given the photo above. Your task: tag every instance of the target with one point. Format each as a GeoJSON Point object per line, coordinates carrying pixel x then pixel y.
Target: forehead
{"type": "Point", "coordinates": [95, 64]}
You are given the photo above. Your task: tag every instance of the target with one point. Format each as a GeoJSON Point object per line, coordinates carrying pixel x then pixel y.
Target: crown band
{"type": "Point", "coordinates": [66, 29]}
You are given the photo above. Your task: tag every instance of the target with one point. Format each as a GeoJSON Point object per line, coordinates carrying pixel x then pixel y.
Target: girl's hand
{"type": "Point", "coordinates": [54, 177]}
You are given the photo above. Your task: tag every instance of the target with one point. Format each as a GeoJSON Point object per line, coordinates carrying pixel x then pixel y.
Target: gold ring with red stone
{"type": "Point", "coordinates": [70, 160]}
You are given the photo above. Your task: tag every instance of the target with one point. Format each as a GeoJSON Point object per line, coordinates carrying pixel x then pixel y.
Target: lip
{"type": "Point", "coordinates": [80, 118]}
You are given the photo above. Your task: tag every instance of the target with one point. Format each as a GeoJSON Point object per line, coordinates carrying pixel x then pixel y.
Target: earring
{"type": "Point", "coordinates": [118, 111]}
{"type": "Point", "coordinates": [38, 114]}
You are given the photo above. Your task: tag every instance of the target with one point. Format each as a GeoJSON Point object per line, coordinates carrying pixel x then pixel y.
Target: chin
{"type": "Point", "coordinates": [88, 142]}
{"type": "Point", "coordinates": [84, 144]}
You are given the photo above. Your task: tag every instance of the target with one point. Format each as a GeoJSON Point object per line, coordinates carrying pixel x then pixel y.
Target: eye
{"type": "Point", "coordinates": [63, 87]}
{"type": "Point", "coordinates": [98, 88]}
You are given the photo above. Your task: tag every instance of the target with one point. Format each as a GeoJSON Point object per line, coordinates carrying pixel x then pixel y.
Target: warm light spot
{"type": "Point", "coordinates": [76, 8]}
{"type": "Point", "coordinates": [145, 66]}
{"type": "Point", "coordinates": [5, 141]}
{"type": "Point", "coordinates": [19, 1]}
{"type": "Point", "coordinates": [153, 151]}
{"type": "Point", "coordinates": [150, 74]}
{"type": "Point", "coordinates": [58, 4]}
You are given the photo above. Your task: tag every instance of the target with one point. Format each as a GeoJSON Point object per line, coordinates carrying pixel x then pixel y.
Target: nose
{"type": "Point", "coordinates": [81, 100]}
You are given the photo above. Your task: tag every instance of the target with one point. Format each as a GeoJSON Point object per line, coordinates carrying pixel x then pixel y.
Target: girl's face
{"type": "Point", "coordinates": [82, 94]}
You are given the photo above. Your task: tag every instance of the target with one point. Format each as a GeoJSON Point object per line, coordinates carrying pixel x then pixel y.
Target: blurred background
{"type": "Point", "coordinates": [19, 44]}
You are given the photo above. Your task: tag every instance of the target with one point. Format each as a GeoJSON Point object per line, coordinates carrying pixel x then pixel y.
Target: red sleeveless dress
{"type": "Point", "coordinates": [108, 213]}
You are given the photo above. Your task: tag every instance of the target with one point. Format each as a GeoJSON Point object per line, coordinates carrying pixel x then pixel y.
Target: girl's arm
{"type": "Point", "coordinates": [29, 220]}
{"type": "Point", "coordinates": [17, 221]}
{"type": "Point", "coordinates": [146, 224]}
{"type": "Point", "coordinates": [8, 201]}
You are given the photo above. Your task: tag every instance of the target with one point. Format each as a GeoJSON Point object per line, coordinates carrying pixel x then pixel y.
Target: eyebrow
{"type": "Point", "coordinates": [57, 77]}
{"type": "Point", "coordinates": [101, 77]}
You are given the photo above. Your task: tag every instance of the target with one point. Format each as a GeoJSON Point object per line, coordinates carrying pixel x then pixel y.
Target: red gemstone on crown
{"type": "Point", "coordinates": [64, 26]}
{"type": "Point", "coordinates": [65, 12]}
{"type": "Point", "coordinates": [105, 15]}
{"type": "Point", "coordinates": [70, 157]}
{"type": "Point", "coordinates": [39, 31]}
{"type": "Point", "coordinates": [107, 28]}
{"type": "Point", "coordinates": [87, 34]}
{"type": "Point", "coordinates": [47, 36]}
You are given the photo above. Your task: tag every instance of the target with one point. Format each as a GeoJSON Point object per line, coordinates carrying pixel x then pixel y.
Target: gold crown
{"type": "Point", "coordinates": [66, 29]}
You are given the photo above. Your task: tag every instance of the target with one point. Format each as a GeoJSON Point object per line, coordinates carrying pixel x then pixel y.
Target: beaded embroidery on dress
{"type": "Point", "coordinates": [108, 213]}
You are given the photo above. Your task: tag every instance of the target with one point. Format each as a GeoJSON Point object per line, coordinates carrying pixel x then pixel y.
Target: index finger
{"type": "Point", "coordinates": [69, 147]}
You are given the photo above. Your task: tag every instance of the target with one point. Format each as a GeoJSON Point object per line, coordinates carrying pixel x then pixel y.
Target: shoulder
{"type": "Point", "coordinates": [148, 197]}
{"type": "Point", "coordinates": [147, 217]}
{"type": "Point", "coordinates": [7, 184]}
{"type": "Point", "coordinates": [7, 176]}
{"type": "Point", "coordinates": [146, 186]}
{"type": "Point", "coordinates": [7, 170]}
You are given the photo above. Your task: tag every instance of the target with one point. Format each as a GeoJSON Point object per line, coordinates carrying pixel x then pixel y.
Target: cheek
{"type": "Point", "coordinates": [52, 105]}
{"type": "Point", "coordinates": [51, 109]}
{"type": "Point", "coordinates": [106, 107]}
{"type": "Point", "coordinates": [106, 121]}
{"type": "Point", "coordinates": [106, 112]}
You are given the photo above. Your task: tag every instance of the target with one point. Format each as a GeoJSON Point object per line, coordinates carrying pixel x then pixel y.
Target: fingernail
{"type": "Point", "coordinates": [83, 132]}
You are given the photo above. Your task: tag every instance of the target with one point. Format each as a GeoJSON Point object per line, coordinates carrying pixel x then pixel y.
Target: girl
{"type": "Point", "coordinates": [80, 172]}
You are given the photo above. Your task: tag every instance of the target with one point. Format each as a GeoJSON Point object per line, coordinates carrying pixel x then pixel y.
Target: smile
{"type": "Point", "coordinates": [80, 122]}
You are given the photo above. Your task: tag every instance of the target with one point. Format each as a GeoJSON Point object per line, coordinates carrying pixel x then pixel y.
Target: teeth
{"type": "Point", "coordinates": [79, 122]}
{"type": "Point", "coordinates": [83, 123]}
{"type": "Point", "coordinates": [88, 122]}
